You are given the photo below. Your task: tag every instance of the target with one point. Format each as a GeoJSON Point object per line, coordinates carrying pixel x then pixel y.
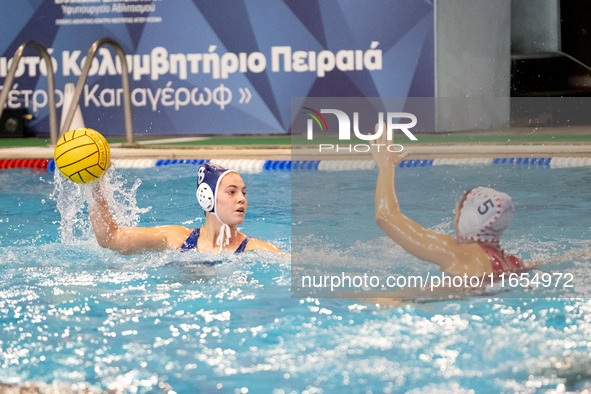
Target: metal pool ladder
{"type": "Point", "coordinates": [53, 132]}
{"type": "Point", "coordinates": [50, 83]}
{"type": "Point", "coordinates": [124, 81]}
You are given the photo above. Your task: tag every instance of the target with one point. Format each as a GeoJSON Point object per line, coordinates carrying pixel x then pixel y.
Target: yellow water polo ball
{"type": "Point", "coordinates": [82, 155]}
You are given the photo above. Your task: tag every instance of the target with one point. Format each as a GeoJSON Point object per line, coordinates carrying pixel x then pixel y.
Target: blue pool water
{"type": "Point", "coordinates": [76, 316]}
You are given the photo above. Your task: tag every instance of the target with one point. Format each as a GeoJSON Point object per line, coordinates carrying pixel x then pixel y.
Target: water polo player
{"type": "Point", "coordinates": [482, 215]}
{"type": "Point", "coordinates": [222, 195]}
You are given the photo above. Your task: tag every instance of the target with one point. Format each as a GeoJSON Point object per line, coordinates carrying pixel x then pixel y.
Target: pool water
{"type": "Point", "coordinates": [76, 316]}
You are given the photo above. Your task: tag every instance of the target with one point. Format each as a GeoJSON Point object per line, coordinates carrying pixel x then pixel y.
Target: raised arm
{"type": "Point", "coordinates": [437, 248]}
{"type": "Point", "coordinates": [129, 240]}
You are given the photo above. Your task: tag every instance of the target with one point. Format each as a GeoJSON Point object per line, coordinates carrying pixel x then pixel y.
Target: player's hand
{"type": "Point", "coordinates": [382, 156]}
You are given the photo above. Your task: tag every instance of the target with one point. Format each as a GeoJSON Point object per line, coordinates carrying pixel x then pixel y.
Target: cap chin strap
{"type": "Point", "coordinates": [223, 238]}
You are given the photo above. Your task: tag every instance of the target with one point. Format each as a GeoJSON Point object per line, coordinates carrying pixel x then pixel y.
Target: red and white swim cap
{"type": "Point", "coordinates": [484, 215]}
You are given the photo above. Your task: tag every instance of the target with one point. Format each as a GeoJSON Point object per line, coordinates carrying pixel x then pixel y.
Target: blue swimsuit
{"type": "Point", "coordinates": [191, 242]}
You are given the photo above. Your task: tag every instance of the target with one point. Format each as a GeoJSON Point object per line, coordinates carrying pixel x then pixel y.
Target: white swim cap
{"type": "Point", "coordinates": [484, 215]}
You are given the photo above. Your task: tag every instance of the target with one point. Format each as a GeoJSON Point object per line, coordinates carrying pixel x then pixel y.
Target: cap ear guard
{"type": "Point", "coordinates": [205, 197]}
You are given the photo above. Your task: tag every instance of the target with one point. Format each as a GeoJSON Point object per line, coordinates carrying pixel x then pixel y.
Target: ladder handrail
{"type": "Point", "coordinates": [50, 84]}
{"type": "Point", "coordinates": [124, 81]}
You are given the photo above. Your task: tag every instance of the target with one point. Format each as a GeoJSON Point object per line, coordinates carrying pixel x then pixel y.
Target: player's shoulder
{"type": "Point", "coordinates": [173, 228]}
{"type": "Point", "coordinates": [257, 244]}
{"type": "Point", "coordinates": [175, 235]}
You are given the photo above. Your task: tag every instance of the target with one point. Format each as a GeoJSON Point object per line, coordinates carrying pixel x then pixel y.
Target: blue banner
{"type": "Point", "coordinates": [223, 67]}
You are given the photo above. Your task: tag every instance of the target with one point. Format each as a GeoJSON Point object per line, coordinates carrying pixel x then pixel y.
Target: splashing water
{"type": "Point", "coordinates": [71, 201]}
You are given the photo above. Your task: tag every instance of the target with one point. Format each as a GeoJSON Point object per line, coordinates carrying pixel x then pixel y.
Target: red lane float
{"type": "Point", "coordinates": [24, 163]}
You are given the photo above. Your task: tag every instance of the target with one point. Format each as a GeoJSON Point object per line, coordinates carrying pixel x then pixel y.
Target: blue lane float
{"type": "Point", "coordinates": [415, 163]}
{"type": "Point", "coordinates": [277, 165]}
{"type": "Point", "coordinates": [540, 161]}
{"type": "Point", "coordinates": [168, 162]}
